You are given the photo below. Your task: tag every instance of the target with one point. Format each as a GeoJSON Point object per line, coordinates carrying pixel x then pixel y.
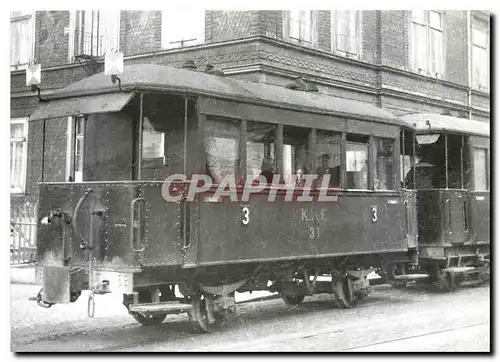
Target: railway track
{"type": "Point", "coordinates": [378, 322]}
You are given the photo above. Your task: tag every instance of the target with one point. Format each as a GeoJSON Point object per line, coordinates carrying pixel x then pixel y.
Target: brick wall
{"type": "Point", "coordinates": [225, 25]}
{"type": "Point", "coordinates": [271, 23]}
{"type": "Point", "coordinates": [369, 38]}
{"type": "Point", "coordinates": [51, 43]}
{"type": "Point", "coordinates": [455, 39]}
{"type": "Point", "coordinates": [140, 32]}
{"type": "Point", "coordinates": [394, 39]}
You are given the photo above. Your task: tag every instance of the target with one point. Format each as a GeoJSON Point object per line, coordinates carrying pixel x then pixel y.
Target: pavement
{"type": "Point", "coordinates": [23, 274]}
{"type": "Point", "coordinates": [402, 320]}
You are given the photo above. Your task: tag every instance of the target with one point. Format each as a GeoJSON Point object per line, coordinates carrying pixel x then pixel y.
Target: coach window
{"type": "Point", "coordinates": [384, 166]}
{"type": "Point", "coordinates": [357, 162]}
{"type": "Point", "coordinates": [481, 169]}
{"type": "Point", "coordinates": [221, 147]}
{"type": "Point", "coordinates": [295, 155]}
{"type": "Point", "coordinates": [328, 156]}
{"type": "Point", "coordinates": [153, 141]}
{"type": "Point", "coordinates": [261, 150]}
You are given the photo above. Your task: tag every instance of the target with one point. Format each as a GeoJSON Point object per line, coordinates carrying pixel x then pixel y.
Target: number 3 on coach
{"type": "Point", "coordinates": [246, 215]}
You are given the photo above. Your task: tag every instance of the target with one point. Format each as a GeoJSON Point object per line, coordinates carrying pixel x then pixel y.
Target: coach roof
{"type": "Point", "coordinates": [147, 77]}
{"type": "Point", "coordinates": [434, 123]}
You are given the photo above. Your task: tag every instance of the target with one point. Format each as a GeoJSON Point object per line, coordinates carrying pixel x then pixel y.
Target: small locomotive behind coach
{"type": "Point", "coordinates": [108, 227]}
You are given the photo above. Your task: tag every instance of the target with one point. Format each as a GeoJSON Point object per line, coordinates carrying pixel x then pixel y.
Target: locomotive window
{"type": "Point", "coordinates": [328, 156]}
{"type": "Point", "coordinates": [260, 150]}
{"type": "Point", "coordinates": [79, 148]}
{"type": "Point", "coordinates": [384, 167]}
{"type": "Point", "coordinates": [481, 174]}
{"type": "Point", "coordinates": [221, 147]}
{"type": "Point", "coordinates": [294, 155]}
{"type": "Point", "coordinates": [357, 162]}
{"type": "Point", "coordinates": [153, 140]}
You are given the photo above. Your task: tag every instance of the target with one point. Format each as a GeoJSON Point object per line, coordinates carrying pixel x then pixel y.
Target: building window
{"type": "Point", "coordinates": [299, 26]}
{"type": "Point", "coordinates": [427, 43]}
{"type": "Point", "coordinates": [75, 148]}
{"type": "Point", "coordinates": [481, 169]}
{"type": "Point", "coordinates": [18, 154]}
{"type": "Point", "coordinates": [21, 39]}
{"type": "Point", "coordinates": [93, 33]}
{"type": "Point", "coordinates": [346, 32]}
{"type": "Point", "coordinates": [181, 27]}
{"type": "Point", "coordinates": [480, 66]}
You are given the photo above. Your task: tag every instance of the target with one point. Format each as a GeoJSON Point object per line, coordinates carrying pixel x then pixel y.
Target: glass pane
{"type": "Point", "coordinates": [435, 19]}
{"type": "Point", "coordinates": [436, 52]}
{"type": "Point", "coordinates": [221, 145]}
{"type": "Point", "coordinates": [17, 130]}
{"type": "Point", "coordinates": [260, 150]}
{"type": "Point", "coordinates": [153, 140]}
{"type": "Point", "coordinates": [79, 126]}
{"type": "Point", "coordinates": [480, 32]}
{"type": "Point", "coordinates": [295, 155]}
{"type": "Point", "coordinates": [347, 31]}
{"type": "Point", "coordinates": [79, 154]}
{"type": "Point", "coordinates": [418, 16]}
{"type": "Point", "coordinates": [328, 156]}
{"type": "Point", "coordinates": [384, 167]}
{"type": "Point", "coordinates": [357, 165]}
{"type": "Point", "coordinates": [480, 67]}
{"type": "Point", "coordinates": [183, 27]}
{"type": "Point", "coordinates": [480, 167]}
{"type": "Point", "coordinates": [294, 23]}
{"type": "Point", "coordinates": [20, 41]}
{"type": "Point", "coordinates": [419, 47]}
{"type": "Point", "coordinates": [16, 164]}
{"type": "Point", "coordinates": [306, 25]}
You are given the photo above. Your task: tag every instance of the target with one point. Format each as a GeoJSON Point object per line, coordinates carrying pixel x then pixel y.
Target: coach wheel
{"type": "Point", "coordinates": [343, 291]}
{"type": "Point", "coordinates": [199, 313]}
{"type": "Point", "coordinates": [292, 300]}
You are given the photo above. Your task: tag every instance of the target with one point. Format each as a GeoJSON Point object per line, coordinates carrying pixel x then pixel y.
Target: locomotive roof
{"type": "Point", "coordinates": [147, 77]}
{"type": "Point", "coordinates": [432, 123]}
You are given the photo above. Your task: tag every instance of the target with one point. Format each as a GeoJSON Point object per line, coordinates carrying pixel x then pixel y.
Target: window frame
{"type": "Point", "coordinates": [24, 141]}
{"type": "Point", "coordinates": [334, 36]}
{"type": "Point", "coordinates": [428, 71]}
{"type": "Point", "coordinates": [474, 82]}
{"type": "Point", "coordinates": [72, 29]}
{"type": "Point", "coordinates": [374, 164]}
{"type": "Point", "coordinates": [487, 170]}
{"type": "Point", "coordinates": [31, 41]}
{"type": "Point", "coordinates": [182, 43]}
{"type": "Point", "coordinates": [287, 28]}
{"type": "Point", "coordinates": [71, 174]}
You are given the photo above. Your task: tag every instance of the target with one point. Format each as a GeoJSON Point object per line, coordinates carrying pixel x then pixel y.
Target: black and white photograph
{"type": "Point", "coordinates": [268, 180]}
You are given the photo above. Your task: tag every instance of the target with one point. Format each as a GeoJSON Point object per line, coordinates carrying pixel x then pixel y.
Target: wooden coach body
{"type": "Point", "coordinates": [115, 218]}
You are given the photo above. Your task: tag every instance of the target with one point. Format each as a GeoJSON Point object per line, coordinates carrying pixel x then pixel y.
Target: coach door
{"type": "Point", "coordinates": [166, 145]}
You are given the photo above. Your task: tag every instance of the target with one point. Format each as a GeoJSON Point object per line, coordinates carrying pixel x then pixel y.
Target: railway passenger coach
{"type": "Point", "coordinates": [448, 164]}
{"type": "Point", "coordinates": [185, 187]}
